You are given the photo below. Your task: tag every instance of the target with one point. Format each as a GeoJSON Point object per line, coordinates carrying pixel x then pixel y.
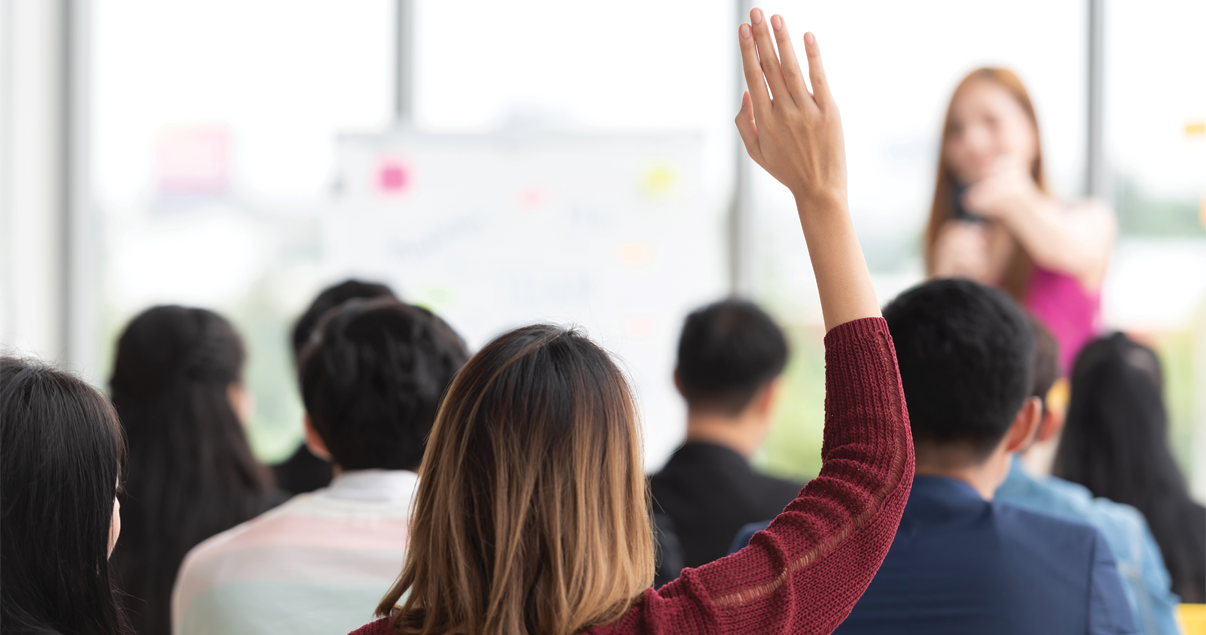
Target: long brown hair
{"type": "Point", "coordinates": [1020, 267]}
{"type": "Point", "coordinates": [532, 513]}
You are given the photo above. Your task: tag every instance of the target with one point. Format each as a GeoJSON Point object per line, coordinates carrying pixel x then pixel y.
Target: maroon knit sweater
{"type": "Point", "coordinates": [807, 570]}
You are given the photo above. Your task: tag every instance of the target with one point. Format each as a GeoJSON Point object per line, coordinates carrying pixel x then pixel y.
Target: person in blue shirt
{"type": "Point", "coordinates": [1140, 564]}
{"type": "Point", "coordinates": [961, 561]}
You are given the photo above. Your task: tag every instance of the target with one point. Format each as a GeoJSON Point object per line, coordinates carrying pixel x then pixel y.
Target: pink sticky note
{"type": "Point", "coordinates": [532, 198]}
{"type": "Point", "coordinates": [393, 177]}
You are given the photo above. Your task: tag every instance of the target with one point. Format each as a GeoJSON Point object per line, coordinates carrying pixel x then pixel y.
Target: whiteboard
{"type": "Point", "coordinates": [608, 232]}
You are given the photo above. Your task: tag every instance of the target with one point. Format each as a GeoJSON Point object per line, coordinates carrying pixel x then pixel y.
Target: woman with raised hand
{"type": "Point", "coordinates": [61, 453]}
{"type": "Point", "coordinates": [532, 514]}
{"type": "Point", "coordinates": [177, 385]}
{"type": "Point", "coordinates": [994, 221]}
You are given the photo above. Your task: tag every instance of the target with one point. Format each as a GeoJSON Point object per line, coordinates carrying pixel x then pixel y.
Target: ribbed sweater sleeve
{"type": "Point", "coordinates": [805, 572]}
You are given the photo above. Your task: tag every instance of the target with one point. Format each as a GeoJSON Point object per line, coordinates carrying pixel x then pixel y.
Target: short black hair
{"type": "Point", "coordinates": [372, 380]}
{"type": "Point", "coordinates": [728, 351]}
{"type": "Point", "coordinates": [330, 298]}
{"type": "Point", "coordinates": [966, 357]}
{"type": "Point", "coordinates": [1046, 361]}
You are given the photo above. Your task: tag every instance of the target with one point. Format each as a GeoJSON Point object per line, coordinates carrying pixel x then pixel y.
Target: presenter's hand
{"type": "Point", "coordinates": [794, 135]}
{"type": "Point", "coordinates": [1004, 195]}
{"type": "Point", "coordinates": [961, 251]}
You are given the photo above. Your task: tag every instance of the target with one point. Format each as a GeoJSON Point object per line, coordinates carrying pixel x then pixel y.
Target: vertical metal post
{"type": "Point", "coordinates": [741, 213]}
{"type": "Point", "coordinates": [79, 267]}
{"type": "Point", "coordinates": [1095, 172]}
{"type": "Point", "coordinates": [404, 61]}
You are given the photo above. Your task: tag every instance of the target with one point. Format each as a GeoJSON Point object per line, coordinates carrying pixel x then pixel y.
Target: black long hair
{"type": "Point", "coordinates": [1115, 442]}
{"type": "Point", "coordinates": [60, 455]}
{"type": "Point", "coordinates": [192, 473]}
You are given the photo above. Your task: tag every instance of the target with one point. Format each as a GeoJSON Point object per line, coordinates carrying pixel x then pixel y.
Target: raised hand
{"type": "Point", "coordinates": [794, 135]}
{"type": "Point", "coordinates": [797, 137]}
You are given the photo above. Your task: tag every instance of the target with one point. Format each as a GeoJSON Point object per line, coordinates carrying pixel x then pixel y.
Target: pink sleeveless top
{"type": "Point", "coordinates": [1071, 313]}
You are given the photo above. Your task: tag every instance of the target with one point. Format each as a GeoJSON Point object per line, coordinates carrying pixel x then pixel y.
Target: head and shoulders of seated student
{"type": "Point", "coordinates": [371, 381]}
{"type": "Point", "coordinates": [960, 558]}
{"type": "Point", "coordinates": [1028, 484]}
{"type": "Point", "coordinates": [731, 354]}
{"type": "Point", "coordinates": [730, 358]}
{"type": "Point", "coordinates": [177, 385]}
{"type": "Point", "coordinates": [303, 471]}
{"type": "Point", "coordinates": [372, 378]}
{"type": "Point", "coordinates": [966, 356]}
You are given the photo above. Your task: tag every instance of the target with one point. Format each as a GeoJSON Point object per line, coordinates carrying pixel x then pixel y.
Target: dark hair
{"type": "Point", "coordinates": [60, 455]}
{"type": "Point", "coordinates": [966, 355]}
{"type": "Point", "coordinates": [192, 474]}
{"type": "Point", "coordinates": [330, 298]}
{"type": "Point", "coordinates": [372, 380]}
{"type": "Point", "coordinates": [1046, 360]}
{"type": "Point", "coordinates": [727, 352]}
{"type": "Point", "coordinates": [1115, 443]}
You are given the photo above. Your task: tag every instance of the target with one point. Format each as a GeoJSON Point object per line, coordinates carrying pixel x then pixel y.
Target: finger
{"type": "Point", "coordinates": [816, 72]}
{"type": "Point", "coordinates": [753, 72]}
{"type": "Point", "coordinates": [767, 58]}
{"type": "Point", "coordinates": [788, 62]}
{"type": "Point", "coordinates": [748, 128]}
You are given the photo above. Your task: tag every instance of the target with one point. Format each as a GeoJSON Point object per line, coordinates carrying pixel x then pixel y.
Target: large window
{"type": "Point", "coordinates": [215, 123]}
{"type": "Point", "coordinates": [213, 140]}
{"type": "Point", "coordinates": [1155, 140]}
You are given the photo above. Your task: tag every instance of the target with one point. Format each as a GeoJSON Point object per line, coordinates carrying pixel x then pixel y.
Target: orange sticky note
{"type": "Point", "coordinates": [633, 253]}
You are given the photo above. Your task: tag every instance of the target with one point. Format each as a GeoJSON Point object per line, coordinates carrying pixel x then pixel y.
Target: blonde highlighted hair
{"type": "Point", "coordinates": [532, 513]}
{"type": "Point", "coordinates": [1020, 267]}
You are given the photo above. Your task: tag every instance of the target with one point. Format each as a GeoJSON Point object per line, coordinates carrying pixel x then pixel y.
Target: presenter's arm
{"type": "Point", "coordinates": [1072, 239]}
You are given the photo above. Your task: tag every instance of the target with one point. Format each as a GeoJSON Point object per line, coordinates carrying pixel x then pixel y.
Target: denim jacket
{"type": "Point", "coordinates": [1144, 577]}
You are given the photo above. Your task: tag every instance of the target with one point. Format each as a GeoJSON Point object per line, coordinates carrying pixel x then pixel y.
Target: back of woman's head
{"type": "Point", "coordinates": [60, 455]}
{"type": "Point", "coordinates": [1115, 442]}
{"type": "Point", "coordinates": [192, 473]}
{"type": "Point", "coordinates": [1115, 438]}
{"type": "Point", "coordinates": [532, 514]}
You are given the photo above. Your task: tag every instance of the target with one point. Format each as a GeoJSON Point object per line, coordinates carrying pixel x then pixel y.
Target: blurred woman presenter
{"type": "Point", "coordinates": [993, 219]}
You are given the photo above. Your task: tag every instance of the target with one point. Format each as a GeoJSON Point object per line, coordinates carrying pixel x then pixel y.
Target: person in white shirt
{"type": "Point", "coordinates": [371, 381]}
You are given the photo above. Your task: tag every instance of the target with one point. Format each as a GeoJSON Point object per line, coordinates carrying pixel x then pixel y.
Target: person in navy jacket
{"type": "Point", "coordinates": [962, 562]}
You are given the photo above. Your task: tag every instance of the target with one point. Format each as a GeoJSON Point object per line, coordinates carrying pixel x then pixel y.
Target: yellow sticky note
{"type": "Point", "coordinates": [658, 180]}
